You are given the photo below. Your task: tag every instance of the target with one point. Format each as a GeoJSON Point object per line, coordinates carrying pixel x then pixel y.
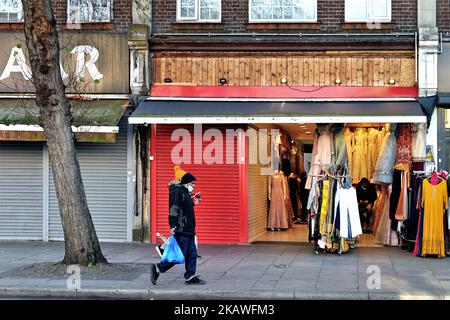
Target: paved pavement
{"type": "Point", "coordinates": [262, 271]}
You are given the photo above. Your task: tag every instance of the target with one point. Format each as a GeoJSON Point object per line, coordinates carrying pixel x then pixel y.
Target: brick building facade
{"type": "Point", "coordinates": [330, 18]}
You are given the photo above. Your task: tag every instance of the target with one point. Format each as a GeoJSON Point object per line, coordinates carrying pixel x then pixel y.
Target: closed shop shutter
{"type": "Point", "coordinates": [257, 187]}
{"type": "Point", "coordinates": [218, 215]}
{"type": "Point", "coordinates": [104, 172]}
{"type": "Point", "coordinates": [21, 191]}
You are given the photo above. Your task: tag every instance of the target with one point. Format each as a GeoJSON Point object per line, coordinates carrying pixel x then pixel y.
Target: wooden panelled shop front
{"type": "Point", "coordinates": [352, 68]}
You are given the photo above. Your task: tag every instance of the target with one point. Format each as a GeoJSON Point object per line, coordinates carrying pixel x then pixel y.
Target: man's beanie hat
{"type": "Point", "coordinates": [187, 178]}
{"type": "Point", "coordinates": [179, 173]}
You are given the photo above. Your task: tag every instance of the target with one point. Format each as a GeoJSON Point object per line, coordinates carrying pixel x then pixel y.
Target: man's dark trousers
{"type": "Point", "coordinates": [187, 246]}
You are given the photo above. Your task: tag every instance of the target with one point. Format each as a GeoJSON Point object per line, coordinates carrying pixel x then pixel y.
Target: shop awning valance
{"type": "Point", "coordinates": [184, 111]}
{"type": "Point", "coordinates": [94, 120]}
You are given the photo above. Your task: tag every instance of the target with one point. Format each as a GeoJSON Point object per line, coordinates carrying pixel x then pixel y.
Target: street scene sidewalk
{"type": "Point", "coordinates": [260, 271]}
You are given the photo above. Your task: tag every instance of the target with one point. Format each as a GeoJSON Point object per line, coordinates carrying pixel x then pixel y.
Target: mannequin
{"type": "Point", "coordinates": [277, 196]}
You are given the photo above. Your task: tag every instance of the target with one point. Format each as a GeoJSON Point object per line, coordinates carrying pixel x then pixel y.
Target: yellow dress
{"type": "Point", "coordinates": [434, 202]}
{"type": "Point", "coordinates": [360, 166]}
{"type": "Point", "coordinates": [324, 207]}
{"type": "Point", "coordinates": [372, 151]}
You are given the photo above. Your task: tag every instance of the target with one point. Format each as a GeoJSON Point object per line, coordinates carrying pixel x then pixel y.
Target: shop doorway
{"type": "Point", "coordinates": [296, 144]}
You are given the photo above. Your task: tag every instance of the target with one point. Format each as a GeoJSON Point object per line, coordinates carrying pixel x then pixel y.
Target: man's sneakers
{"type": "Point", "coordinates": [195, 280]}
{"type": "Point", "coordinates": [154, 273]}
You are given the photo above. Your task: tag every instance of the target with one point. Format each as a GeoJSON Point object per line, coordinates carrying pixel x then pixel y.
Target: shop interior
{"type": "Point", "coordinates": [341, 183]}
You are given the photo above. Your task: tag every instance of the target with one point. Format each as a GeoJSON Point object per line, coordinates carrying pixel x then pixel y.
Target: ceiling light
{"type": "Point", "coordinates": [283, 80]}
{"type": "Point", "coordinates": [308, 132]}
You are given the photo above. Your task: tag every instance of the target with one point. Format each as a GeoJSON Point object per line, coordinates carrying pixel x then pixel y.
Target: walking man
{"type": "Point", "coordinates": [182, 225]}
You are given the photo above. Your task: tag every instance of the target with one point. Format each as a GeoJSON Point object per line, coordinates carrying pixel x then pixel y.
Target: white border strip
{"type": "Point", "coordinates": [281, 99]}
{"type": "Point", "coordinates": [36, 128]}
{"type": "Point", "coordinates": [304, 119]}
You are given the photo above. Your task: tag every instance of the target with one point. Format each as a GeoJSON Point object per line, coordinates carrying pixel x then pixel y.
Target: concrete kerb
{"type": "Point", "coordinates": [144, 294]}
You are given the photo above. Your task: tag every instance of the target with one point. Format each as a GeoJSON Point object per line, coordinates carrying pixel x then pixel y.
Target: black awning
{"type": "Point", "coordinates": [444, 100]}
{"type": "Point", "coordinates": [229, 111]}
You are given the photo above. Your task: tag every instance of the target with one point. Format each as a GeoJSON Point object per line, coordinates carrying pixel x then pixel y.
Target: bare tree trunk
{"type": "Point", "coordinates": [81, 243]}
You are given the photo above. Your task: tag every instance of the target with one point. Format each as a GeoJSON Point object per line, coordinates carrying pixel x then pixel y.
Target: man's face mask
{"type": "Point", "coordinates": [190, 188]}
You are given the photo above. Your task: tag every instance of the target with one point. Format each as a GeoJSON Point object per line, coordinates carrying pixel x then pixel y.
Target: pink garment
{"type": "Point", "coordinates": [384, 234]}
{"type": "Point", "coordinates": [324, 146]}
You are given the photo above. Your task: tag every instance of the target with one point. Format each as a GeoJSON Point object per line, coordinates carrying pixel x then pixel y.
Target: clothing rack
{"type": "Point", "coordinates": [328, 175]}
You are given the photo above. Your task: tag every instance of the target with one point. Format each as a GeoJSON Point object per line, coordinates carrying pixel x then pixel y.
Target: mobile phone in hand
{"type": "Point", "coordinates": [198, 194]}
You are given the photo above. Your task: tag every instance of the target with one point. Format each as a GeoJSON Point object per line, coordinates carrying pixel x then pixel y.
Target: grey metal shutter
{"type": "Point", "coordinates": [104, 172]}
{"type": "Point", "coordinates": [21, 191]}
{"type": "Point", "coordinates": [257, 190]}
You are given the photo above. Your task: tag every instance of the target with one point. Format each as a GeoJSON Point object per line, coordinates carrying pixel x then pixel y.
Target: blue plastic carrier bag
{"type": "Point", "coordinates": [172, 252]}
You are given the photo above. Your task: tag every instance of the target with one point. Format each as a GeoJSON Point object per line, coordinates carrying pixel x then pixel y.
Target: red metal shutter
{"type": "Point", "coordinates": [218, 216]}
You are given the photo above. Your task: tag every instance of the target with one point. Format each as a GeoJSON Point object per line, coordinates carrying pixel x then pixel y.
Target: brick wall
{"type": "Point", "coordinates": [122, 17]}
{"type": "Point", "coordinates": [443, 15]}
{"type": "Point", "coordinates": [331, 14]}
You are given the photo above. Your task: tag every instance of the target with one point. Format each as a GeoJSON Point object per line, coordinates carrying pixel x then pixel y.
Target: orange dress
{"type": "Point", "coordinates": [434, 202]}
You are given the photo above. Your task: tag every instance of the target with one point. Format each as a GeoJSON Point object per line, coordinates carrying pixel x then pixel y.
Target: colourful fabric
{"type": "Point", "coordinates": [324, 207]}
{"type": "Point", "coordinates": [404, 142]}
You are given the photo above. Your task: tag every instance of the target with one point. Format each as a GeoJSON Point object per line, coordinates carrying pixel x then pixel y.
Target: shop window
{"type": "Point", "coordinates": [367, 10]}
{"type": "Point", "coordinates": [11, 11]}
{"type": "Point", "coordinates": [283, 10]}
{"type": "Point", "coordinates": [199, 10]}
{"type": "Point", "coordinates": [89, 11]}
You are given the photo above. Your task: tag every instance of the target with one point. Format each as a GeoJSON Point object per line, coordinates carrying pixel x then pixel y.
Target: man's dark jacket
{"type": "Point", "coordinates": [181, 210]}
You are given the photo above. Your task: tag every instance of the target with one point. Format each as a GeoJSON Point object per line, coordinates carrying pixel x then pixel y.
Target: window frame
{"type": "Point", "coordinates": [280, 20]}
{"type": "Point", "coordinates": [19, 13]}
{"type": "Point", "coordinates": [197, 19]}
{"type": "Point", "coordinates": [111, 12]}
{"type": "Point", "coordinates": [369, 13]}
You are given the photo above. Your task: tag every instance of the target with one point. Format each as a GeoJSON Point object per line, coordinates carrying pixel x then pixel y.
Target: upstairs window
{"type": "Point", "coordinates": [11, 11]}
{"type": "Point", "coordinates": [367, 10]}
{"type": "Point", "coordinates": [199, 10]}
{"type": "Point", "coordinates": [283, 11]}
{"type": "Point", "coordinates": [88, 11]}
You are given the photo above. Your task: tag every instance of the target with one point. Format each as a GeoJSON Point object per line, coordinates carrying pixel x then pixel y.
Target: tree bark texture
{"type": "Point", "coordinates": [81, 242]}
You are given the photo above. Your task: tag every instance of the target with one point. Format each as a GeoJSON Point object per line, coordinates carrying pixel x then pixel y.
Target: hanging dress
{"type": "Point", "coordinates": [324, 146]}
{"type": "Point", "coordinates": [277, 210]}
{"type": "Point", "coordinates": [314, 168]}
{"type": "Point", "coordinates": [288, 204]}
{"type": "Point", "coordinates": [384, 169]}
{"type": "Point", "coordinates": [404, 142]}
{"type": "Point", "coordinates": [372, 151]}
{"type": "Point", "coordinates": [349, 143]}
{"type": "Point", "coordinates": [384, 233]}
{"type": "Point", "coordinates": [340, 148]}
{"type": "Point", "coordinates": [360, 164]}
{"type": "Point", "coordinates": [434, 202]}
{"type": "Point", "coordinates": [419, 145]}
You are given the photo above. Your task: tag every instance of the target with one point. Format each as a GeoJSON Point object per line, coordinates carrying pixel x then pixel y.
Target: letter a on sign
{"type": "Point", "coordinates": [21, 66]}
